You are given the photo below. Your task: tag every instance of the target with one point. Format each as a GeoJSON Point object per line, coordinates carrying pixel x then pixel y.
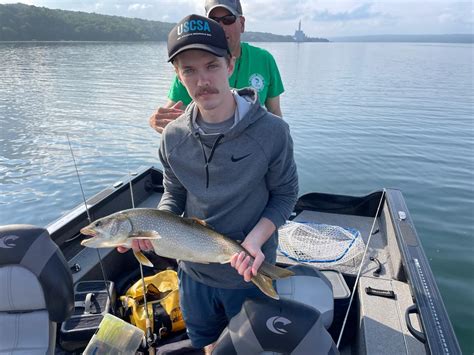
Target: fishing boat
{"type": "Point", "coordinates": [384, 300]}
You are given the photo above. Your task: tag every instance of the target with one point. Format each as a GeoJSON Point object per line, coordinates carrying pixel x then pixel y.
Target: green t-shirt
{"type": "Point", "coordinates": [255, 67]}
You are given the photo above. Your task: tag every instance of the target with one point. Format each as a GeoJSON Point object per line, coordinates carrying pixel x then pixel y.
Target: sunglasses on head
{"type": "Point", "coordinates": [226, 20]}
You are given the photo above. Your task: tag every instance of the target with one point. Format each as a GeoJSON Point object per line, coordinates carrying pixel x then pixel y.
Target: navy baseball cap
{"type": "Point", "coordinates": [197, 32]}
{"type": "Point", "coordinates": [233, 6]}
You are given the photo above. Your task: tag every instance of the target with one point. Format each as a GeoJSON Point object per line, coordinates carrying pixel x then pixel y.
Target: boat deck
{"type": "Point", "coordinates": [376, 324]}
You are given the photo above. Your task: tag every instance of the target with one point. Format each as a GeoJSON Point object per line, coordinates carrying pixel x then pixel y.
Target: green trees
{"type": "Point", "coordinates": [20, 22]}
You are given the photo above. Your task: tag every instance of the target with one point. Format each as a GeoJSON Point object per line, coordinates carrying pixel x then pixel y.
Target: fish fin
{"type": "Point", "coordinates": [264, 283]}
{"type": "Point", "coordinates": [145, 235]}
{"type": "Point", "coordinates": [274, 272]}
{"type": "Point", "coordinates": [200, 221]}
{"type": "Point", "coordinates": [142, 259]}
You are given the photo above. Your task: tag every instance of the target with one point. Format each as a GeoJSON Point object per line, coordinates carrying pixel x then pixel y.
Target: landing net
{"type": "Point", "coordinates": [319, 243]}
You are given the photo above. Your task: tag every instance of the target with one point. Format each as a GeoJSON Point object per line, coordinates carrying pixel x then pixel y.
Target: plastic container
{"type": "Point", "coordinates": [115, 336]}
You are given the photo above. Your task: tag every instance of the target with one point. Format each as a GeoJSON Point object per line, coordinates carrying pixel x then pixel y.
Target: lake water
{"type": "Point", "coordinates": [363, 117]}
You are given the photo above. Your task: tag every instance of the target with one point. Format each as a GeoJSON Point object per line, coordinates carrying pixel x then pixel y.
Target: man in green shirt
{"type": "Point", "coordinates": [254, 67]}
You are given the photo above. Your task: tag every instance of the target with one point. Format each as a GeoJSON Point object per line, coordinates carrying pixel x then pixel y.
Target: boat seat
{"type": "Point", "coordinates": [278, 326]}
{"type": "Point", "coordinates": [310, 287]}
{"type": "Point", "coordinates": [36, 290]}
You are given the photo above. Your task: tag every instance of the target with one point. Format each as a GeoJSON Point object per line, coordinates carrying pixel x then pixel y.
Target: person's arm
{"type": "Point", "coordinates": [174, 194]}
{"type": "Point", "coordinates": [273, 105]}
{"type": "Point", "coordinates": [165, 114]}
{"type": "Point", "coordinates": [173, 198]}
{"type": "Point", "coordinates": [282, 182]}
{"type": "Point", "coordinates": [275, 88]}
{"type": "Point", "coordinates": [253, 243]}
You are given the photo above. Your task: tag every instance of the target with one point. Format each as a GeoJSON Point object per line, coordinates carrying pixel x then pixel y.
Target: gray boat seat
{"type": "Point", "coordinates": [36, 290]}
{"type": "Point", "coordinates": [280, 326]}
{"type": "Point", "coordinates": [310, 287]}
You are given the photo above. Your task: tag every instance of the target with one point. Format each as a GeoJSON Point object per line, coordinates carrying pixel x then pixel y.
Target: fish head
{"type": "Point", "coordinates": [108, 232]}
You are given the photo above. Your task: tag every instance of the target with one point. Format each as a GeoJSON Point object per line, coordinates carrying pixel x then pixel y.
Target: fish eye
{"type": "Point", "coordinates": [98, 223]}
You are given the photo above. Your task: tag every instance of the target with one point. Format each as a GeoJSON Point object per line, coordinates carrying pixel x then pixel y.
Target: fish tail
{"type": "Point", "coordinates": [274, 272]}
{"type": "Point", "coordinates": [264, 283]}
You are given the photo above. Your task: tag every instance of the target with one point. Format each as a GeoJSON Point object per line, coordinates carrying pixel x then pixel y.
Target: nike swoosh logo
{"type": "Point", "coordinates": [239, 158]}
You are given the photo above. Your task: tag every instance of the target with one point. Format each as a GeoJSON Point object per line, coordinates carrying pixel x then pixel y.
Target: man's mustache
{"type": "Point", "coordinates": [206, 90]}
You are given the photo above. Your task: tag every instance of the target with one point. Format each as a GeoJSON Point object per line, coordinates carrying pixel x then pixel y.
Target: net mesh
{"type": "Point", "coordinates": [319, 243]}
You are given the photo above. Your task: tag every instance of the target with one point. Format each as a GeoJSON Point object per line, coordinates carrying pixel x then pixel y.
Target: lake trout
{"type": "Point", "coordinates": [175, 237]}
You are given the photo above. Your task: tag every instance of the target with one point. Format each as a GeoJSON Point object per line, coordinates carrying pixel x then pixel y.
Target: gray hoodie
{"type": "Point", "coordinates": [247, 173]}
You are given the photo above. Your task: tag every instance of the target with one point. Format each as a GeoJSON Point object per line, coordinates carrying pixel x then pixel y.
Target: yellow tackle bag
{"type": "Point", "coordinates": [163, 303]}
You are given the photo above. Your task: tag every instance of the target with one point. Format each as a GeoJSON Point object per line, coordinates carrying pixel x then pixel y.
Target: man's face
{"type": "Point", "coordinates": [233, 31]}
{"type": "Point", "coordinates": [205, 76]}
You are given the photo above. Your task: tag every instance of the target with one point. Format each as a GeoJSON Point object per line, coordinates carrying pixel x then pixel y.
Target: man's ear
{"type": "Point", "coordinates": [231, 67]}
{"type": "Point", "coordinates": [242, 24]}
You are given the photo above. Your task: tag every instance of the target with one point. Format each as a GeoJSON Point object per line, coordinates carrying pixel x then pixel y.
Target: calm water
{"type": "Point", "coordinates": [363, 117]}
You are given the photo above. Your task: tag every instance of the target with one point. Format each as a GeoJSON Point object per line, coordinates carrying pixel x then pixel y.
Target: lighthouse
{"type": "Point", "coordinates": [299, 34]}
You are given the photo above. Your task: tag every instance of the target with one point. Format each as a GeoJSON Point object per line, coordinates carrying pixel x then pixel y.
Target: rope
{"type": "Point", "coordinates": [360, 269]}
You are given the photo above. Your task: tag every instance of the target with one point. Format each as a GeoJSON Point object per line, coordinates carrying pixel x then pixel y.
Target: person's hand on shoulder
{"type": "Point", "coordinates": [166, 114]}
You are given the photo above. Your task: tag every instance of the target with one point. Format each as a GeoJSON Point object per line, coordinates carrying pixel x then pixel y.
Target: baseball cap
{"type": "Point", "coordinates": [197, 32]}
{"type": "Point", "coordinates": [233, 6]}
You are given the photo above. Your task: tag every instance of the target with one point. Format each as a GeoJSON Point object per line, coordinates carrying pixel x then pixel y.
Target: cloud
{"type": "Point", "coordinates": [135, 7]}
{"type": "Point", "coordinates": [362, 12]}
{"type": "Point", "coordinates": [320, 18]}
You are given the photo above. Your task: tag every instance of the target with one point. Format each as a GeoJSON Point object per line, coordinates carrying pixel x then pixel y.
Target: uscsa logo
{"type": "Point", "coordinates": [257, 82]}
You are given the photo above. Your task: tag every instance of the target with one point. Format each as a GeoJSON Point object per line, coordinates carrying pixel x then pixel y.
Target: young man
{"type": "Point", "coordinates": [254, 67]}
{"type": "Point", "coordinates": [219, 167]}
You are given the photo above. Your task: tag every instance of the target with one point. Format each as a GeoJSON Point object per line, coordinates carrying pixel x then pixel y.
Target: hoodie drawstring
{"type": "Point", "coordinates": [206, 159]}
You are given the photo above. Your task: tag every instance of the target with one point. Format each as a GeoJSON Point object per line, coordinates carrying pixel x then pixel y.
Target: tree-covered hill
{"type": "Point", "coordinates": [19, 22]}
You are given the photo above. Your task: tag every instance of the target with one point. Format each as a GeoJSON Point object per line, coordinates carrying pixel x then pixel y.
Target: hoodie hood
{"type": "Point", "coordinates": [248, 112]}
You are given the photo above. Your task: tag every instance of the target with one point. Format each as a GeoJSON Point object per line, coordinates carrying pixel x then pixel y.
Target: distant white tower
{"type": "Point", "coordinates": [299, 34]}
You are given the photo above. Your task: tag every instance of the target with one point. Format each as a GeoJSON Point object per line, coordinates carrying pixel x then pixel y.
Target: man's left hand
{"type": "Point", "coordinates": [241, 261]}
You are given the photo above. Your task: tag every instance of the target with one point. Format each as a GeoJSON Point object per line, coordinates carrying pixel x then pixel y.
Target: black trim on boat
{"type": "Point", "coordinates": [437, 328]}
{"type": "Point", "coordinates": [365, 206]}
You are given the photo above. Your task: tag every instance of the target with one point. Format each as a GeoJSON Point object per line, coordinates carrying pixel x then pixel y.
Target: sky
{"type": "Point", "coordinates": [325, 18]}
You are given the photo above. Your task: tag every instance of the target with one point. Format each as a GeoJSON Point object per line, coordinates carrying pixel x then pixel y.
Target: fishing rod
{"type": "Point", "coordinates": [104, 275]}
{"type": "Point", "coordinates": [360, 269]}
{"type": "Point", "coordinates": [150, 336]}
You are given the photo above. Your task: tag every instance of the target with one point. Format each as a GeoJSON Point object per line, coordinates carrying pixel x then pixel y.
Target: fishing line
{"type": "Point", "coordinates": [360, 269]}
{"type": "Point", "coordinates": [104, 275]}
{"type": "Point", "coordinates": [150, 339]}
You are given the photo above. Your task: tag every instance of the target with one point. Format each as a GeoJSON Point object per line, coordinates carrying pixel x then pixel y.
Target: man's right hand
{"type": "Point", "coordinates": [137, 245]}
{"type": "Point", "coordinates": [164, 115]}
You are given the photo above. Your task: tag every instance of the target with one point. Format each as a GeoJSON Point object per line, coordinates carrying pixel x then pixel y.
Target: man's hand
{"type": "Point", "coordinates": [137, 245]}
{"type": "Point", "coordinates": [166, 114]}
{"type": "Point", "coordinates": [241, 260]}
{"type": "Point", "coordinates": [253, 244]}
